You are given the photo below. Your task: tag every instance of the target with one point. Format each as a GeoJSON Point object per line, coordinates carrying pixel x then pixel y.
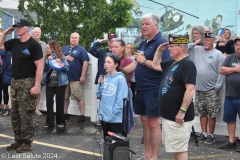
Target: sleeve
{"type": "Point", "coordinates": [99, 90]}
{"type": "Point", "coordinates": [94, 51]}
{"type": "Point", "coordinates": [217, 47]}
{"type": "Point", "coordinates": [228, 46]}
{"type": "Point", "coordinates": [226, 62]}
{"type": "Point", "coordinates": [6, 60]}
{"type": "Point", "coordinates": [121, 93]}
{"type": "Point", "coordinates": [8, 45]}
{"type": "Point", "coordinates": [221, 78]}
{"type": "Point", "coordinates": [85, 56]}
{"type": "Point", "coordinates": [190, 73]}
{"type": "Point", "coordinates": [36, 51]}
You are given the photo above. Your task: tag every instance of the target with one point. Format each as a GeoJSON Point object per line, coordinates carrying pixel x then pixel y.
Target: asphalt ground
{"type": "Point", "coordinates": [84, 141]}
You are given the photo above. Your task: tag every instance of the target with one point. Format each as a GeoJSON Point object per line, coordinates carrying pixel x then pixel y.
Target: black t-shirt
{"type": "Point", "coordinates": [23, 56]}
{"type": "Point", "coordinates": [232, 80]}
{"type": "Point", "coordinates": [172, 88]}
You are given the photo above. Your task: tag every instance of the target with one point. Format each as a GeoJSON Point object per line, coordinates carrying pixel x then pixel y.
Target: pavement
{"type": "Point", "coordinates": [83, 141]}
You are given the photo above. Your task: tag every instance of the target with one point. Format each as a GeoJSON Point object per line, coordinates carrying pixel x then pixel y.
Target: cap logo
{"type": "Point", "coordinates": [178, 39]}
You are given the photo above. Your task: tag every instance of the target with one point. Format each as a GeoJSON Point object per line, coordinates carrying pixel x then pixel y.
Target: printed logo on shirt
{"type": "Point", "coordinates": [74, 51]}
{"type": "Point", "coordinates": [109, 89]}
{"type": "Point", "coordinates": [169, 79]}
{"type": "Point", "coordinates": [26, 51]}
{"type": "Point", "coordinates": [234, 64]}
{"type": "Point", "coordinates": [210, 57]}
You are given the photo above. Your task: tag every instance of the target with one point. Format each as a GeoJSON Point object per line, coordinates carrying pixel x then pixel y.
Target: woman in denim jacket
{"type": "Point", "coordinates": [56, 81]}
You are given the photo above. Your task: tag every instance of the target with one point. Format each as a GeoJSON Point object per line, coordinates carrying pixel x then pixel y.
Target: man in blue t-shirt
{"type": "Point", "coordinates": [77, 58]}
{"type": "Point", "coordinates": [147, 84]}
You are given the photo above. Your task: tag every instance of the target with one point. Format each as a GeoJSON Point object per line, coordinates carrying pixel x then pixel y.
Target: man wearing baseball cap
{"type": "Point", "coordinates": [231, 68]}
{"type": "Point", "coordinates": [208, 61]}
{"type": "Point", "coordinates": [177, 111]}
{"type": "Point", "coordinates": [27, 69]}
{"type": "Point", "coordinates": [101, 53]}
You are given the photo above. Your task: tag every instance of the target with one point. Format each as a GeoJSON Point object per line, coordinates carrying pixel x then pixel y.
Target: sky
{"type": "Point", "coordinates": [9, 4]}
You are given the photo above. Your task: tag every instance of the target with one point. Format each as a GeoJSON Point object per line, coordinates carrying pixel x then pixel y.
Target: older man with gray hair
{"type": "Point", "coordinates": [36, 34]}
{"type": "Point", "coordinates": [147, 84]}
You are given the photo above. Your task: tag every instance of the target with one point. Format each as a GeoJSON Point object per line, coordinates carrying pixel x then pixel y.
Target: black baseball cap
{"type": "Point", "coordinates": [22, 23]}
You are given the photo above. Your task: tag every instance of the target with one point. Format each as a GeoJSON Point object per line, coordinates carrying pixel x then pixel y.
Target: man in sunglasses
{"type": "Point", "coordinates": [27, 70]}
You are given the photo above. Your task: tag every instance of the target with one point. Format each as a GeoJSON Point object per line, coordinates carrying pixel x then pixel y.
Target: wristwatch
{"type": "Point", "coordinates": [144, 62]}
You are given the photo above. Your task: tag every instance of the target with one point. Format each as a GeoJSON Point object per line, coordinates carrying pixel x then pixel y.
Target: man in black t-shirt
{"type": "Point", "coordinates": [175, 96]}
{"type": "Point", "coordinates": [27, 69]}
{"type": "Point", "coordinates": [231, 68]}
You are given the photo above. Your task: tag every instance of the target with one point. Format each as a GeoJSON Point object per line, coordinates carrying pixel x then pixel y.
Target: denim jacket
{"type": "Point", "coordinates": [62, 75]}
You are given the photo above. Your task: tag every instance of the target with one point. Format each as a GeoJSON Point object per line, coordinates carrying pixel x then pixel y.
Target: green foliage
{"type": "Point", "coordinates": [59, 18]}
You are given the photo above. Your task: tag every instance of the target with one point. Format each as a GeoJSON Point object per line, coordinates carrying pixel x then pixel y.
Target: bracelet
{"type": "Point", "coordinates": [182, 111]}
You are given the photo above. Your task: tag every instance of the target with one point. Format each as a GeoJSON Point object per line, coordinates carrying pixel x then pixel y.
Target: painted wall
{"type": "Point", "coordinates": [212, 14]}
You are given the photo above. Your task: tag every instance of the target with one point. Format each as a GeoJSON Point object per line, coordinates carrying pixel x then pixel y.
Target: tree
{"type": "Point", "coordinates": [59, 18]}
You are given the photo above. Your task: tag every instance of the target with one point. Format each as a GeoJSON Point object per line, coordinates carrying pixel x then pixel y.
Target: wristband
{"type": "Point", "coordinates": [183, 109]}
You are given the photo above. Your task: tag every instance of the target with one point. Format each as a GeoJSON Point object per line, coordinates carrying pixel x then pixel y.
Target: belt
{"type": "Point", "coordinates": [207, 90]}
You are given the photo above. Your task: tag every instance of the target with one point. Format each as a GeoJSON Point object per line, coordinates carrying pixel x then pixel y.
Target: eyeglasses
{"type": "Point", "coordinates": [120, 40]}
{"type": "Point", "coordinates": [171, 46]}
{"type": "Point", "coordinates": [109, 54]}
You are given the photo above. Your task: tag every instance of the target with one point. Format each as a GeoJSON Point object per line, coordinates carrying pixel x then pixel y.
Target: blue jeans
{"type": "Point", "coordinates": [146, 103]}
{"type": "Point", "coordinates": [231, 109]}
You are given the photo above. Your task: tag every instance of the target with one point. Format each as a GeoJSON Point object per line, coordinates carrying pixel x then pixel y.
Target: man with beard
{"type": "Point", "coordinates": [208, 61]}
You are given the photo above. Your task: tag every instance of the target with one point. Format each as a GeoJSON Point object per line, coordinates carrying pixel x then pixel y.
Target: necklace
{"type": "Point", "coordinates": [178, 60]}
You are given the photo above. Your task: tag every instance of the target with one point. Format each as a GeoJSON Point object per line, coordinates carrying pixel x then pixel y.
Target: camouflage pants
{"type": "Point", "coordinates": [23, 106]}
{"type": "Point", "coordinates": [207, 103]}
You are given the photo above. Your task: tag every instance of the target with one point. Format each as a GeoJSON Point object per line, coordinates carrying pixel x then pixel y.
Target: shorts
{"type": "Point", "coordinates": [74, 89]}
{"type": "Point", "coordinates": [207, 103]}
{"type": "Point", "coordinates": [146, 103]}
{"type": "Point", "coordinates": [176, 136]}
{"type": "Point", "coordinates": [231, 109]}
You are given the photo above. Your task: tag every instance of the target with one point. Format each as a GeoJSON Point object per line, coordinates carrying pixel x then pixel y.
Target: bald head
{"type": "Point", "coordinates": [74, 39]}
{"type": "Point", "coordinates": [36, 33]}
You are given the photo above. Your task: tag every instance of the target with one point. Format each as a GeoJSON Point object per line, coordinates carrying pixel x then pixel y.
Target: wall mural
{"type": "Point", "coordinates": [178, 17]}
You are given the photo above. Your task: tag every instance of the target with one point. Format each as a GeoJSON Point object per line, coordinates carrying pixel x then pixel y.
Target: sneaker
{"type": "Point", "coordinates": [81, 119]}
{"type": "Point", "coordinates": [60, 125]}
{"type": "Point", "coordinates": [14, 146]}
{"type": "Point", "coordinates": [48, 125]}
{"type": "Point", "coordinates": [66, 116]}
{"type": "Point", "coordinates": [201, 138]}
{"type": "Point", "coordinates": [210, 139]}
{"type": "Point", "coordinates": [97, 123]}
{"type": "Point", "coordinates": [227, 145]}
{"type": "Point", "coordinates": [238, 149]}
{"type": "Point", "coordinates": [38, 113]}
{"type": "Point", "coordinates": [4, 112]}
{"type": "Point", "coordinates": [25, 147]}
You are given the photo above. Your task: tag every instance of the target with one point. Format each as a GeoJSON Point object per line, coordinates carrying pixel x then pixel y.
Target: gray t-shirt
{"type": "Point", "coordinates": [43, 45]}
{"type": "Point", "coordinates": [232, 80]}
{"type": "Point", "coordinates": [208, 64]}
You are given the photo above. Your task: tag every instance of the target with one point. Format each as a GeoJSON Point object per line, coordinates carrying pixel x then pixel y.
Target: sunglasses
{"type": "Point", "coordinates": [113, 56]}
{"type": "Point", "coordinates": [120, 40]}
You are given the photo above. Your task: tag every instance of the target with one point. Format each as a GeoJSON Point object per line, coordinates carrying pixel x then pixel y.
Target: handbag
{"type": "Point", "coordinates": [49, 75]}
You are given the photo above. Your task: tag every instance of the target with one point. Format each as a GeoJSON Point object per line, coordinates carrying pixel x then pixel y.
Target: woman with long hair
{"type": "Point", "coordinates": [223, 40]}
{"type": "Point", "coordinates": [111, 90]}
{"type": "Point", "coordinates": [118, 48]}
{"type": "Point", "coordinates": [56, 81]}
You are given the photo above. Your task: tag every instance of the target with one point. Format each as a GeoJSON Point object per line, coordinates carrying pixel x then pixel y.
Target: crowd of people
{"type": "Point", "coordinates": [159, 78]}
